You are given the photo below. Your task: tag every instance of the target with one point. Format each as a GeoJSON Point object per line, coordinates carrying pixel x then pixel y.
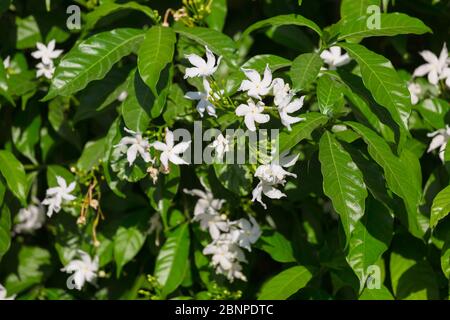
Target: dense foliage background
{"type": "Point", "coordinates": [365, 212]}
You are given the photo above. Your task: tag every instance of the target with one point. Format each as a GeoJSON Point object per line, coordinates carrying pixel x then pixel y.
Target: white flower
{"type": "Point", "coordinates": [206, 211]}
{"type": "Point", "coordinates": [4, 294]}
{"type": "Point", "coordinates": [280, 91]}
{"type": "Point", "coordinates": [170, 152]}
{"type": "Point", "coordinates": [255, 86]}
{"type": "Point", "coordinates": [122, 96]}
{"type": "Point", "coordinates": [133, 146]}
{"type": "Point", "coordinates": [46, 70]}
{"type": "Point", "coordinates": [435, 66]}
{"type": "Point", "coordinates": [334, 57]}
{"type": "Point", "coordinates": [252, 113]}
{"type": "Point", "coordinates": [221, 145]}
{"type": "Point", "coordinates": [415, 90]}
{"type": "Point", "coordinates": [247, 233]}
{"type": "Point", "coordinates": [440, 140]}
{"type": "Point", "coordinates": [204, 103]}
{"type": "Point", "coordinates": [30, 219]}
{"type": "Point", "coordinates": [56, 195]}
{"type": "Point", "coordinates": [201, 67]}
{"type": "Point", "coordinates": [446, 75]}
{"type": "Point", "coordinates": [46, 53]}
{"type": "Point", "coordinates": [7, 62]}
{"type": "Point", "coordinates": [288, 106]}
{"type": "Point", "coordinates": [226, 257]}
{"type": "Point", "coordinates": [84, 269]}
{"type": "Point", "coordinates": [270, 176]}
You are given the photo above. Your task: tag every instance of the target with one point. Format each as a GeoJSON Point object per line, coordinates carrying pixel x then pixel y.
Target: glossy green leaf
{"type": "Point", "coordinates": [395, 173]}
{"type": "Point", "coordinates": [92, 154]}
{"type": "Point", "coordinates": [14, 174]}
{"type": "Point", "coordinates": [155, 53]}
{"type": "Point", "coordinates": [92, 59]}
{"type": "Point", "coordinates": [109, 7]}
{"type": "Point", "coordinates": [441, 207]}
{"type": "Point", "coordinates": [281, 20]}
{"type": "Point", "coordinates": [128, 240]}
{"type": "Point", "coordinates": [216, 19]}
{"type": "Point", "coordinates": [5, 230]}
{"type": "Point", "coordinates": [172, 260]}
{"type": "Point", "coordinates": [343, 182]}
{"type": "Point", "coordinates": [384, 83]}
{"type": "Point", "coordinates": [391, 24]}
{"type": "Point", "coordinates": [136, 109]}
{"type": "Point", "coordinates": [285, 284]}
{"type": "Point", "coordinates": [329, 93]}
{"type": "Point", "coordinates": [216, 41]}
{"type": "Point", "coordinates": [445, 258]}
{"type": "Point", "coordinates": [356, 8]}
{"type": "Point", "coordinates": [370, 239]}
{"type": "Point", "coordinates": [301, 130]}
{"type": "Point", "coordinates": [305, 69]}
{"type": "Point", "coordinates": [277, 246]}
{"type": "Point", "coordinates": [376, 294]}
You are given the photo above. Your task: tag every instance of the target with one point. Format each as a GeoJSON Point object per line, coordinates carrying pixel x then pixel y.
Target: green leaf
{"type": "Point", "coordinates": [234, 177]}
{"type": "Point", "coordinates": [172, 260]}
{"type": "Point", "coordinates": [285, 284]}
{"type": "Point", "coordinates": [386, 86]}
{"type": "Point", "coordinates": [216, 19]}
{"type": "Point", "coordinates": [155, 53]}
{"type": "Point", "coordinates": [305, 69]}
{"type": "Point", "coordinates": [441, 207]}
{"type": "Point", "coordinates": [301, 130]}
{"type": "Point", "coordinates": [92, 155]}
{"type": "Point", "coordinates": [14, 174]}
{"type": "Point", "coordinates": [277, 246]}
{"type": "Point", "coordinates": [356, 8]}
{"type": "Point", "coordinates": [281, 20]}
{"type": "Point", "coordinates": [376, 294]}
{"type": "Point", "coordinates": [445, 258]}
{"type": "Point", "coordinates": [162, 194]}
{"type": "Point", "coordinates": [4, 85]}
{"type": "Point", "coordinates": [391, 24]}
{"type": "Point", "coordinates": [395, 172]}
{"type": "Point", "coordinates": [434, 112]}
{"type": "Point", "coordinates": [343, 182]}
{"type": "Point", "coordinates": [370, 239]}
{"type": "Point", "coordinates": [216, 41]}
{"type": "Point", "coordinates": [329, 93]}
{"type": "Point", "coordinates": [25, 131]}
{"type": "Point", "coordinates": [136, 109]}
{"type": "Point", "coordinates": [34, 264]}
{"type": "Point", "coordinates": [92, 59]}
{"type": "Point", "coordinates": [109, 7]}
{"type": "Point", "coordinates": [412, 277]}
{"type": "Point", "coordinates": [129, 238]}
{"type": "Point", "coordinates": [28, 32]}
{"type": "Point", "coordinates": [5, 230]}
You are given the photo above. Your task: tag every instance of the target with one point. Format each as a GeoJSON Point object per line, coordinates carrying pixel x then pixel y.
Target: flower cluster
{"type": "Point", "coordinates": [228, 237]}
{"type": "Point", "coordinates": [437, 69]}
{"type": "Point", "coordinates": [136, 144]}
{"type": "Point", "coordinates": [270, 176]}
{"type": "Point", "coordinates": [46, 53]}
{"type": "Point", "coordinates": [258, 87]}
